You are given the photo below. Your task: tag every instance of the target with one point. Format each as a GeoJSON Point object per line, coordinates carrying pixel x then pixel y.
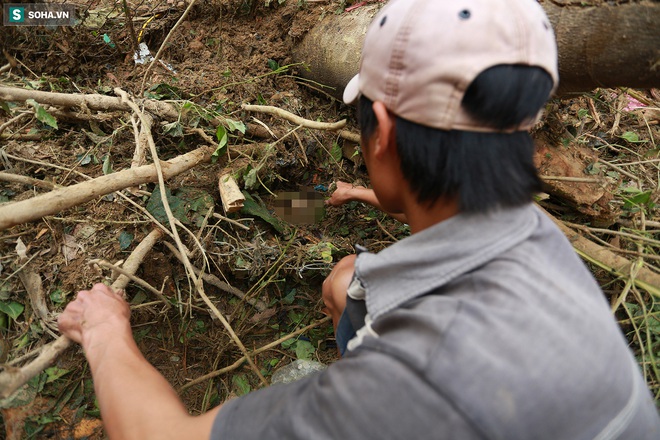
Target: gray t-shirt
{"type": "Point", "coordinates": [480, 327]}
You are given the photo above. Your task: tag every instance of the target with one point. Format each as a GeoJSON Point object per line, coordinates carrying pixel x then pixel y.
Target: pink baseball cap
{"type": "Point", "coordinates": [420, 56]}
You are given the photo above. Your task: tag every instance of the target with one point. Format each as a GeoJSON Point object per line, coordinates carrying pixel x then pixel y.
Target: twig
{"type": "Point", "coordinates": [276, 111]}
{"type": "Point", "coordinates": [135, 279]}
{"type": "Point", "coordinates": [11, 379]}
{"type": "Point", "coordinates": [165, 41]}
{"type": "Point", "coordinates": [217, 282]}
{"type": "Point", "coordinates": [571, 179]}
{"type": "Point", "coordinates": [233, 222]}
{"type": "Point", "coordinates": [611, 232]}
{"type": "Point", "coordinates": [23, 136]}
{"type": "Point", "coordinates": [619, 169]}
{"type": "Point", "coordinates": [239, 362]}
{"type": "Point", "coordinates": [4, 126]}
{"type": "Point", "coordinates": [380, 225]}
{"type": "Point", "coordinates": [17, 178]}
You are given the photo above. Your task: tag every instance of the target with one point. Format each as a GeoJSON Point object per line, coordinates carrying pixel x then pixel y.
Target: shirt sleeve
{"type": "Point", "coordinates": [366, 395]}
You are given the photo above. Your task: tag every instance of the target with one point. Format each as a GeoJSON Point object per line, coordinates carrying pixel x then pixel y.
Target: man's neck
{"type": "Point", "coordinates": [422, 216]}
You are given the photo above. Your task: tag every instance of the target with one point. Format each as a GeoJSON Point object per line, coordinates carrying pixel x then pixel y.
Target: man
{"type": "Point", "coordinates": [483, 323]}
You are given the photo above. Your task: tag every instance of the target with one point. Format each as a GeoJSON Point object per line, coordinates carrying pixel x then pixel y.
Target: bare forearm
{"type": "Point", "coordinates": [368, 196]}
{"type": "Point", "coordinates": [135, 399]}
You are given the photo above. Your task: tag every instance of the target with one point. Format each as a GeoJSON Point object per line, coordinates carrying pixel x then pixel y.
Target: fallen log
{"type": "Point", "coordinates": [15, 213]}
{"type": "Point", "coordinates": [599, 46]}
{"type": "Point", "coordinates": [90, 101]}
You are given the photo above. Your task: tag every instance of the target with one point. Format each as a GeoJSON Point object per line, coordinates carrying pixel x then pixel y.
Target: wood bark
{"type": "Point", "coordinates": [599, 46]}
{"type": "Point", "coordinates": [607, 45]}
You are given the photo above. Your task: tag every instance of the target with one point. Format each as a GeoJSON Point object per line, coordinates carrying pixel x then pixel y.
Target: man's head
{"type": "Point", "coordinates": [463, 81]}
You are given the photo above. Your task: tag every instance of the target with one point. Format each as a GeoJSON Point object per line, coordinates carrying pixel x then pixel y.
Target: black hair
{"type": "Point", "coordinates": [484, 170]}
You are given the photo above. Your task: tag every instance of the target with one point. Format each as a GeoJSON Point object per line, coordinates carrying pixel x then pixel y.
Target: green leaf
{"type": "Point", "coordinates": [641, 198]}
{"type": "Point", "coordinates": [304, 350]}
{"type": "Point", "coordinates": [288, 343]}
{"type": "Point", "coordinates": [241, 383]}
{"type": "Point", "coordinates": [42, 115]}
{"type": "Point", "coordinates": [251, 179]}
{"type": "Point", "coordinates": [336, 152]}
{"type": "Point", "coordinates": [107, 164]}
{"type": "Point", "coordinates": [54, 373]}
{"type": "Point", "coordinates": [125, 240]}
{"type": "Point", "coordinates": [108, 41]}
{"type": "Point", "coordinates": [57, 296]}
{"type": "Point", "coordinates": [174, 129]}
{"type": "Point", "coordinates": [272, 64]}
{"type": "Point", "coordinates": [631, 137]}
{"type": "Point", "coordinates": [196, 204]}
{"type": "Point", "coordinates": [221, 135]}
{"type": "Point", "coordinates": [290, 297]}
{"type": "Point", "coordinates": [156, 208]}
{"type": "Point", "coordinates": [4, 106]}
{"type": "Point", "coordinates": [251, 207]}
{"type": "Point", "coordinates": [163, 91]}
{"type": "Point", "coordinates": [86, 158]}
{"type": "Point", "coordinates": [235, 125]}
{"type": "Point", "coordinates": [13, 309]}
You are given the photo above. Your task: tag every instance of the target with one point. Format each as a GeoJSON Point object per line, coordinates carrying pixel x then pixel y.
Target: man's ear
{"type": "Point", "coordinates": [385, 135]}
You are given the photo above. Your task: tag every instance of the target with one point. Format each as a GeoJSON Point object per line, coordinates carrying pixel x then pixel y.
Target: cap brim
{"type": "Point", "coordinates": [352, 90]}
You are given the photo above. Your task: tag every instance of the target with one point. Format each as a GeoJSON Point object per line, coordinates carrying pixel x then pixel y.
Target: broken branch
{"type": "Point", "coordinates": [58, 200]}
{"type": "Point", "coordinates": [276, 111]}
{"type": "Point", "coordinates": [91, 101]}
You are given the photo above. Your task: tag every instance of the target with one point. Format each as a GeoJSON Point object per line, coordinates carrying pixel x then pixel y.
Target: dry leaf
{"type": "Point", "coordinates": [70, 248]}
{"type": "Point", "coordinates": [21, 249]}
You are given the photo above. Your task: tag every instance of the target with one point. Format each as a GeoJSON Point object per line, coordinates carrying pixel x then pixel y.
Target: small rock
{"type": "Point", "coordinates": [296, 370]}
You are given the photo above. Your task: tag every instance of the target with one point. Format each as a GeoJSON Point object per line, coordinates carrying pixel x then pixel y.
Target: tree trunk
{"type": "Point", "coordinates": [607, 46]}
{"type": "Point", "coordinates": [599, 46]}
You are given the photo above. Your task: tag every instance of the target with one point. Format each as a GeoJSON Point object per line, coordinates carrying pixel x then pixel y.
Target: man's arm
{"type": "Point", "coordinates": [346, 192]}
{"type": "Point", "coordinates": [135, 399]}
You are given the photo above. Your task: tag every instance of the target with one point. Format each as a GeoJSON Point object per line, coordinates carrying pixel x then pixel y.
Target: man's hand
{"type": "Point", "coordinates": [99, 311]}
{"type": "Point", "coordinates": [344, 193]}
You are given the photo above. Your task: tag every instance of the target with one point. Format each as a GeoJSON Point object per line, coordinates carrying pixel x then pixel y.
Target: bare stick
{"type": "Point", "coordinates": [349, 135]}
{"type": "Point", "coordinates": [11, 379]}
{"type": "Point", "coordinates": [228, 220]}
{"type": "Point", "coordinates": [91, 101]}
{"type": "Point", "coordinates": [165, 41]}
{"type": "Point", "coordinates": [572, 179]}
{"type": "Point", "coordinates": [17, 178]}
{"type": "Point", "coordinates": [276, 111]}
{"type": "Point", "coordinates": [266, 347]}
{"type": "Point", "coordinates": [217, 282]}
{"type": "Point", "coordinates": [4, 126]}
{"type": "Point", "coordinates": [55, 201]}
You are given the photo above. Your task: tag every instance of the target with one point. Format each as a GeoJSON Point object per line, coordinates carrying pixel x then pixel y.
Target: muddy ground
{"type": "Point", "coordinates": [224, 54]}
